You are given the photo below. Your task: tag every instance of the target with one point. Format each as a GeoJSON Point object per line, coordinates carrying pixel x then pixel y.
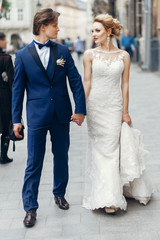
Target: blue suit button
{"type": "Point", "coordinates": [51, 86]}
{"type": "Point", "coordinates": [51, 99]}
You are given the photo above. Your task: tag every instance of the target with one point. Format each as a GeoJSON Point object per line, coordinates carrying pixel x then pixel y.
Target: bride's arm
{"type": "Point", "coordinates": [125, 89]}
{"type": "Point", "coordinates": [87, 62]}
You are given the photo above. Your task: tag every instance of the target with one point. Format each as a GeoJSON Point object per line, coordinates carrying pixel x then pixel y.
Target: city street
{"type": "Point", "coordinates": [138, 223]}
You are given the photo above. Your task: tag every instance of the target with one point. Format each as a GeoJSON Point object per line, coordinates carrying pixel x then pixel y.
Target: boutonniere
{"type": "Point", "coordinates": [61, 62]}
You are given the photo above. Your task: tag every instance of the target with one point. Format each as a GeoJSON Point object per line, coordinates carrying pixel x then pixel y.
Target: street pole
{"type": "Point", "coordinates": [147, 40]}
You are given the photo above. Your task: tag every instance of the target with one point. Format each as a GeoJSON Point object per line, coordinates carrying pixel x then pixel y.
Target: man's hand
{"type": "Point", "coordinates": [78, 118]}
{"type": "Point", "coordinates": [17, 128]}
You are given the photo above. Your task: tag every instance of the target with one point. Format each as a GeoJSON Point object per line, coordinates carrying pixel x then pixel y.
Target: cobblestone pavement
{"type": "Point", "coordinates": [138, 223]}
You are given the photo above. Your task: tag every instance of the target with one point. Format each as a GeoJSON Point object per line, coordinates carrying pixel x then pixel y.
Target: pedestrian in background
{"type": "Point", "coordinates": [69, 44]}
{"type": "Point", "coordinates": [128, 43]}
{"type": "Point", "coordinates": [79, 47]}
{"type": "Point", "coordinates": [6, 80]}
{"type": "Point", "coordinates": [21, 44]}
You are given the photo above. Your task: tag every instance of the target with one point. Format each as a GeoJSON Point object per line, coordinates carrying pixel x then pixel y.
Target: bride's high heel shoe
{"type": "Point", "coordinates": [110, 209]}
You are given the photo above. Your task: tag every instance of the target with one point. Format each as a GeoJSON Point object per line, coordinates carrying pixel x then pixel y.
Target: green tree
{"type": "Point", "coordinates": [5, 7]}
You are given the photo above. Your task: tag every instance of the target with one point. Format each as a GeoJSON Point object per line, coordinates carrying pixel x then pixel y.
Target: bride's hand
{"type": "Point", "coordinates": [126, 118]}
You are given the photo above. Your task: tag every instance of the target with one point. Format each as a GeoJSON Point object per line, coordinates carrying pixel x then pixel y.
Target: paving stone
{"type": "Point", "coordinates": [131, 236]}
{"type": "Point", "coordinates": [121, 226]}
{"type": "Point", "coordinates": [5, 224]}
{"type": "Point", "coordinates": [41, 232]}
{"type": "Point", "coordinates": [110, 236]}
{"type": "Point", "coordinates": [11, 213]}
{"type": "Point", "coordinates": [64, 220]}
{"type": "Point", "coordinates": [80, 229]}
{"type": "Point", "coordinates": [12, 234]}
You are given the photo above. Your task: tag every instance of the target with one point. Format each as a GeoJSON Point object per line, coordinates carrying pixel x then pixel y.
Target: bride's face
{"type": "Point", "coordinates": [99, 33]}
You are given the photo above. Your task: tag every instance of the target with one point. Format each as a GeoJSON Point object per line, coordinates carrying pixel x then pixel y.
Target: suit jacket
{"type": "Point", "coordinates": [46, 94]}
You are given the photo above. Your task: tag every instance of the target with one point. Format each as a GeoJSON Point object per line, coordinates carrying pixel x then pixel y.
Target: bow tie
{"type": "Point", "coordinates": [41, 45]}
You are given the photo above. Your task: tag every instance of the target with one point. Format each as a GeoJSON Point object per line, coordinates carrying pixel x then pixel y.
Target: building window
{"type": "Point", "coordinates": [139, 8]}
{"type": "Point", "coordinates": [139, 15]}
{"type": "Point", "coordinates": [8, 16]}
{"type": "Point", "coordinates": [20, 14]}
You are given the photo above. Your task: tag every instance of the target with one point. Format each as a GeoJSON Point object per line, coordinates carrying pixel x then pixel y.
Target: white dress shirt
{"type": "Point", "coordinates": [44, 54]}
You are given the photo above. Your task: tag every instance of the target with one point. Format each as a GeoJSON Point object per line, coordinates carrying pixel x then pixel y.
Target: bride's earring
{"type": "Point", "coordinates": [108, 40]}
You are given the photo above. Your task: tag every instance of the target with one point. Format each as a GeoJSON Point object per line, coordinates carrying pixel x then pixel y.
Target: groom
{"type": "Point", "coordinates": [41, 68]}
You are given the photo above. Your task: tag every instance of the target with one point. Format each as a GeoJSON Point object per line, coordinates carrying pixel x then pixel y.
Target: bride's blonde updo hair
{"type": "Point", "coordinates": [109, 22]}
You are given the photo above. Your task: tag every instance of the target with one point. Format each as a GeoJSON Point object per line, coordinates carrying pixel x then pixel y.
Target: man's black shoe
{"type": "Point", "coordinates": [62, 203]}
{"type": "Point", "coordinates": [30, 218]}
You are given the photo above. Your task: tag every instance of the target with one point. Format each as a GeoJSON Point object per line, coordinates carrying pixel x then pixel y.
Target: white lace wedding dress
{"type": "Point", "coordinates": [109, 173]}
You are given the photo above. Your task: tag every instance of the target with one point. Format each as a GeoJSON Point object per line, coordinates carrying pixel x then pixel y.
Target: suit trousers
{"type": "Point", "coordinates": [36, 150]}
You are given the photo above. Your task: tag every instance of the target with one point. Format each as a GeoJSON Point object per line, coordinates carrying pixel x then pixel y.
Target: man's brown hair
{"type": "Point", "coordinates": [44, 16]}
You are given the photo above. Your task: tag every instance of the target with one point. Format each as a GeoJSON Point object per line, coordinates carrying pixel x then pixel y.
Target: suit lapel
{"type": "Point", "coordinates": [54, 57]}
{"type": "Point", "coordinates": [53, 51]}
{"type": "Point", "coordinates": [35, 55]}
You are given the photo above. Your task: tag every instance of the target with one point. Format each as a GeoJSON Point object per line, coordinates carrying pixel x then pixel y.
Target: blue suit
{"type": "Point", "coordinates": [48, 109]}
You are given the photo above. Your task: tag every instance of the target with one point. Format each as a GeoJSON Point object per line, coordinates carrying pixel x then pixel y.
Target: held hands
{"type": "Point", "coordinates": [78, 118]}
{"type": "Point", "coordinates": [17, 128]}
{"type": "Point", "coordinates": [126, 118]}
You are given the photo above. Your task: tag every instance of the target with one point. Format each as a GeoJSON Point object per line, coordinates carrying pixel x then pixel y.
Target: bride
{"type": "Point", "coordinates": [116, 158]}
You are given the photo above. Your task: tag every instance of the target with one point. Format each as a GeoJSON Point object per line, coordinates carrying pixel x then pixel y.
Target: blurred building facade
{"type": "Point", "coordinates": [121, 12]}
{"type": "Point", "coordinates": [18, 25]}
{"type": "Point", "coordinates": [73, 19]}
{"type": "Point", "coordinates": [19, 21]}
{"type": "Point", "coordinates": [142, 18]}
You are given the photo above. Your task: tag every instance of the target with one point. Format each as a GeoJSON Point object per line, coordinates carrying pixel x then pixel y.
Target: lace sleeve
{"type": "Point", "coordinates": [90, 52]}
{"type": "Point", "coordinates": [122, 55]}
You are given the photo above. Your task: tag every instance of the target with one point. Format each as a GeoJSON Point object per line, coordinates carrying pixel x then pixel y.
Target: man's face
{"type": "Point", "coordinates": [3, 43]}
{"type": "Point", "coordinates": [51, 30]}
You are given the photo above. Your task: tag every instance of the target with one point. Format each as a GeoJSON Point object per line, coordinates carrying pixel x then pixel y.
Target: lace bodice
{"type": "Point", "coordinates": [107, 64]}
{"type": "Point", "coordinates": [107, 68]}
